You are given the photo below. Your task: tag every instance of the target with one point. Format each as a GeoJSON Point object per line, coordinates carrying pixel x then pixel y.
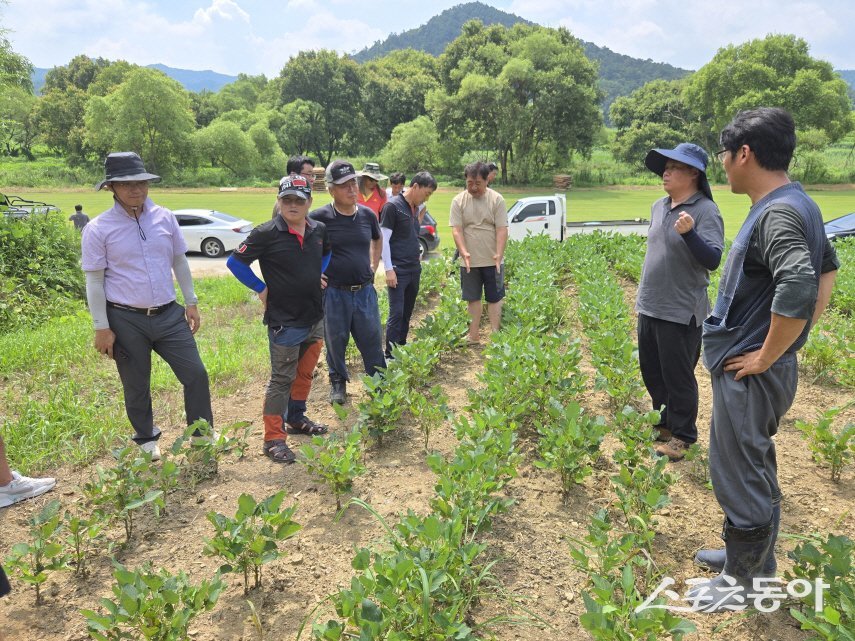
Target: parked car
{"type": "Point", "coordinates": [842, 227]}
{"type": "Point", "coordinates": [428, 235]}
{"type": "Point", "coordinates": [17, 207]}
{"type": "Point", "coordinates": [211, 232]}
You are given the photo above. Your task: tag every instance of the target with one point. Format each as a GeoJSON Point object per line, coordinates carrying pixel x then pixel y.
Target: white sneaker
{"type": "Point", "coordinates": [24, 487]}
{"type": "Point", "coordinates": [213, 437]}
{"type": "Point", "coordinates": [151, 447]}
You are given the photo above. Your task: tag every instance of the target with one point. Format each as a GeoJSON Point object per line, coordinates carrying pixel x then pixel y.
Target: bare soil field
{"type": "Point", "coordinates": [530, 543]}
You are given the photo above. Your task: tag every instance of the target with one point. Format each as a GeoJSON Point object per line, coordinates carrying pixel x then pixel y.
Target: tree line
{"type": "Point", "coordinates": [527, 96]}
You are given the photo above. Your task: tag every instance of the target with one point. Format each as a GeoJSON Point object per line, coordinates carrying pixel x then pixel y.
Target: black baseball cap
{"type": "Point", "coordinates": [295, 185]}
{"type": "Point", "coordinates": [338, 172]}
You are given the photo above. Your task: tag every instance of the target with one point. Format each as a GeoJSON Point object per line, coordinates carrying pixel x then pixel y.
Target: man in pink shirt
{"type": "Point", "coordinates": [129, 255]}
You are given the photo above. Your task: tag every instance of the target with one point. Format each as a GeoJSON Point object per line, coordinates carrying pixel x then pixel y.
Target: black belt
{"type": "Point", "coordinates": [148, 311]}
{"type": "Point", "coordinates": [352, 288]}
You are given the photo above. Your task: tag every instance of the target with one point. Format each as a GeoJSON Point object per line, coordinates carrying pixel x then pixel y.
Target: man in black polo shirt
{"type": "Point", "coordinates": [401, 218]}
{"type": "Point", "coordinates": [292, 252]}
{"type": "Point", "coordinates": [350, 301]}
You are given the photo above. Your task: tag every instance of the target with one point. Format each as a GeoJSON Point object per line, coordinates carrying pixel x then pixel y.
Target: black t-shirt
{"type": "Point", "coordinates": [398, 216]}
{"type": "Point", "coordinates": [291, 270]}
{"type": "Point", "coordinates": [350, 238]}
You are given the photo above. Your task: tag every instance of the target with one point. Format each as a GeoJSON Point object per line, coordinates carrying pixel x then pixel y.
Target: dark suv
{"type": "Point", "coordinates": [428, 235]}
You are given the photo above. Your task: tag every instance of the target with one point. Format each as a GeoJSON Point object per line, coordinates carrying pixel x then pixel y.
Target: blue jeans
{"type": "Point", "coordinates": [352, 313]}
{"type": "Point", "coordinates": [402, 300]}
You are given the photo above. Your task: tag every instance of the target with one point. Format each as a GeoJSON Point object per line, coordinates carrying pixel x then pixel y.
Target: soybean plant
{"type": "Point", "coordinates": [251, 539]}
{"type": "Point", "coordinates": [44, 553]}
{"type": "Point", "coordinates": [835, 448]}
{"type": "Point", "coordinates": [335, 461]}
{"type": "Point", "coordinates": [157, 606]}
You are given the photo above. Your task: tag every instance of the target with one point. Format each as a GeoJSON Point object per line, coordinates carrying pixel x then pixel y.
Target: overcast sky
{"type": "Point", "coordinates": [258, 36]}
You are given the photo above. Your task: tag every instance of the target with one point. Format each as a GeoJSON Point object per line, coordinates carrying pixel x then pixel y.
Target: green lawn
{"type": "Point", "coordinates": [584, 204]}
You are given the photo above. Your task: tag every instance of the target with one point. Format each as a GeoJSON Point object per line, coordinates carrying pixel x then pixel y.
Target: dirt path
{"type": "Point", "coordinates": [530, 543]}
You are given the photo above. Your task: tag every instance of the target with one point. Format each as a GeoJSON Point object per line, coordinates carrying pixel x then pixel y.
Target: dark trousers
{"type": "Point", "coordinates": [354, 314]}
{"type": "Point", "coordinates": [745, 416]}
{"type": "Point", "coordinates": [167, 334]}
{"type": "Point", "coordinates": [402, 300]}
{"type": "Point", "coordinates": [667, 354]}
{"type": "Point", "coordinates": [5, 588]}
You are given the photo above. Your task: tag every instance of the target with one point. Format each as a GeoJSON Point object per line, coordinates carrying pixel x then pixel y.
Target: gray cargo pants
{"type": "Point", "coordinates": [745, 417]}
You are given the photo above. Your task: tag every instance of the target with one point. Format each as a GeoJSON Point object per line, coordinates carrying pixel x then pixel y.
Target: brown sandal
{"type": "Point", "coordinates": [308, 427]}
{"type": "Point", "coordinates": [279, 452]}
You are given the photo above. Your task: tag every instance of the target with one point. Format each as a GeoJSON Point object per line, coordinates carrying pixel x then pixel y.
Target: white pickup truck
{"type": "Point", "coordinates": [548, 215]}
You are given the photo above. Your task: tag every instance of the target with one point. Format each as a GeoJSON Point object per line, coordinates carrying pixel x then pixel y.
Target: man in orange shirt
{"type": "Point", "coordinates": [370, 193]}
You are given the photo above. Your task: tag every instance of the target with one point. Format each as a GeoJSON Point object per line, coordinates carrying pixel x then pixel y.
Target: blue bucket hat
{"type": "Point", "coordinates": [687, 153]}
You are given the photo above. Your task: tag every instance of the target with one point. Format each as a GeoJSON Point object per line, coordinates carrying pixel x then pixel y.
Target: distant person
{"type": "Point", "coordinates": [400, 221]}
{"type": "Point", "coordinates": [302, 166]}
{"type": "Point", "coordinates": [479, 225]}
{"type": "Point", "coordinates": [370, 193]}
{"type": "Point", "coordinates": [15, 488]}
{"type": "Point", "coordinates": [492, 172]}
{"type": "Point", "coordinates": [684, 243]}
{"type": "Point", "coordinates": [79, 219]}
{"type": "Point", "coordinates": [130, 253]}
{"type": "Point", "coordinates": [777, 281]}
{"type": "Point", "coordinates": [350, 300]}
{"type": "Point", "coordinates": [396, 184]}
{"type": "Point", "coordinates": [292, 252]}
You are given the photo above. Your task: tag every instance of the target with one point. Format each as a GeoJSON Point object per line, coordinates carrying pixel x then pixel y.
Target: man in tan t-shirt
{"type": "Point", "coordinates": [479, 225]}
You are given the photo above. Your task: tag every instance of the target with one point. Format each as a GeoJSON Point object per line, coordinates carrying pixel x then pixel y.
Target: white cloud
{"type": "Point", "coordinates": [220, 9]}
{"type": "Point", "coordinates": [258, 36]}
{"type": "Point", "coordinates": [688, 34]}
{"type": "Point", "coordinates": [307, 5]}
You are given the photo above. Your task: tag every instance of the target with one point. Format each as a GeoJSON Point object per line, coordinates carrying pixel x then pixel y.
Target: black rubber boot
{"type": "Point", "coordinates": [338, 392]}
{"type": "Point", "coordinates": [746, 550]}
{"type": "Point", "coordinates": [714, 559]}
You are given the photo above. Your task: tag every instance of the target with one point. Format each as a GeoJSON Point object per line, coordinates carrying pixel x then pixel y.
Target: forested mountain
{"type": "Point", "coordinates": [849, 76]}
{"type": "Point", "coordinates": [433, 36]}
{"type": "Point", "coordinates": [619, 74]}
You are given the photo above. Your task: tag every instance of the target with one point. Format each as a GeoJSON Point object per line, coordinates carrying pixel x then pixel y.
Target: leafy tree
{"type": "Point", "coordinates": [16, 100]}
{"type": "Point", "coordinates": [773, 71]}
{"type": "Point", "coordinates": [148, 113]}
{"type": "Point", "coordinates": [656, 115]}
{"type": "Point", "coordinates": [335, 84]}
{"type": "Point", "coordinates": [243, 118]}
{"type": "Point", "coordinates": [110, 77]}
{"type": "Point", "coordinates": [80, 72]}
{"type": "Point", "coordinates": [303, 127]}
{"type": "Point", "coordinates": [226, 145]}
{"type": "Point", "coordinates": [527, 92]}
{"type": "Point", "coordinates": [416, 146]}
{"type": "Point", "coordinates": [270, 161]}
{"type": "Point", "coordinates": [394, 89]}
{"type": "Point", "coordinates": [15, 69]}
{"type": "Point", "coordinates": [204, 107]}
{"type": "Point", "coordinates": [60, 119]}
{"type": "Point", "coordinates": [243, 93]}
{"type": "Point", "coordinates": [17, 121]}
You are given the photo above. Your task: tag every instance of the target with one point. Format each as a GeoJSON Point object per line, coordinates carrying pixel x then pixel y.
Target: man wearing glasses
{"type": "Point", "coordinates": [130, 253]}
{"type": "Point", "coordinates": [776, 283]}
{"type": "Point", "coordinates": [684, 243]}
{"type": "Point", "coordinates": [302, 166]}
{"type": "Point", "coordinates": [350, 300]}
